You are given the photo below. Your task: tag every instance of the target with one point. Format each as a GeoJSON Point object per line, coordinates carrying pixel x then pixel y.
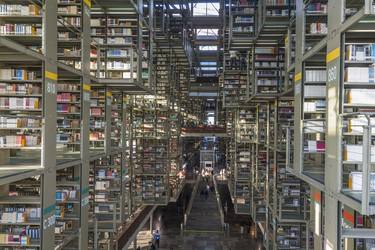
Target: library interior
{"type": "Point", "coordinates": [187, 124]}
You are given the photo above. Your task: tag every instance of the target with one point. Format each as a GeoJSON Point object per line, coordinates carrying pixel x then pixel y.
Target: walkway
{"type": "Point", "coordinates": [204, 215]}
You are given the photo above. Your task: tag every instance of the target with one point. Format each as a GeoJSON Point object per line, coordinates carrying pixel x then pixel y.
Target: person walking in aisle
{"type": "Point", "coordinates": [157, 238]}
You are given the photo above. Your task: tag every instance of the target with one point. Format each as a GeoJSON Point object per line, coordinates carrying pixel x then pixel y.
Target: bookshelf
{"type": "Point", "coordinates": [177, 170]}
{"type": "Point", "coordinates": [314, 114]}
{"type": "Point", "coordinates": [268, 70]}
{"type": "Point", "coordinates": [67, 207]}
{"type": "Point", "coordinates": [245, 135]}
{"type": "Point", "coordinates": [21, 92]}
{"type": "Point", "coordinates": [109, 185]}
{"type": "Point", "coordinates": [69, 32]}
{"type": "Point", "coordinates": [20, 214]}
{"type": "Point", "coordinates": [316, 19]}
{"type": "Point", "coordinates": [114, 55]}
{"type": "Point", "coordinates": [241, 23]}
{"type": "Point", "coordinates": [151, 149]}
{"type": "Point", "coordinates": [235, 88]}
{"type": "Point", "coordinates": [68, 133]}
{"type": "Point", "coordinates": [259, 173]}
{"type": "Point", "coordinates": [98, 104]}
{"type": "Point", "coordinates": [357, 109]}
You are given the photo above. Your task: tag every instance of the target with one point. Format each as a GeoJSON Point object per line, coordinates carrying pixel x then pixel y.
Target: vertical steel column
{"type": "Point", "coordinates": [151, 66]}
{"type": "Point", "coordinates": [49, 128]}
{"type": "Point", "coordinates": [85, 123]}
{"type": "Point", "coordinates": [108, 122]}
{"type": "Point", "coordinates": [333, 131]}
{"type": "Point", "coordinates": [139, 41]}
{"type": "Point", "coordinates": [124, 180]}
{"type": "Point", "coordinates": [298, 98]}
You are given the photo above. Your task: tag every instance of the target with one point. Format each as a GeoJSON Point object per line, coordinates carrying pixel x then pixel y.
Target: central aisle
{"type": "Point", "coordinates": [204, 215]}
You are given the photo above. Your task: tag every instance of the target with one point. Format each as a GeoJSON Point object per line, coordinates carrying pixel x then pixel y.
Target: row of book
{"type": "Point", "coordinates": [360, 74]}
{"type": "Point", "coordinates": [20, 29]}
{"type": "Point", "coordinates": [17, 74]}
{"type": "Point", "coordinates": [20, 141]}
{"type": "Point", "coordinates": [20, 89]}
{"type": "Point", "coordinates": [66, 97]}
{"type": "Point", "coordinates": [67, 138]}
{"type": "Point", "coordinates": [314, 106]}
{"type": "Point", "coordinates": [111, 32]}
{"type": "Point", "coordinates": [20, 103]}
{"type": "Point", "coordinates": [315, 75]}
{"type": "Point", "coordinates": [19, 214]}
{"type": "Point", "coordinates": [72, 21]}
{"type": "Point", "coordinates": [22, 239]}
{"type": "Point", "coordinates": [318, 28]}
{"type": "Point", "coordinates": [67, 108]}
{"type": "Point", "coordinates": [19, 9]}
{"type": "Point", "coordinates": [114, 41]}
{"type": "Point", "coordinates": [95, 22]}
{"type": "Point", "coordinates": [21, 122]}
{"type": "Point", "coordinates": [242, 19]}
{"type": "Point", "coordinates": [65, 195]}
{"type": "Point", "coordinates": [70, 9]}
{"type": "Point", "coordinates": [360, 52]}
{"type": "Point", "coordinates": [314, 8]}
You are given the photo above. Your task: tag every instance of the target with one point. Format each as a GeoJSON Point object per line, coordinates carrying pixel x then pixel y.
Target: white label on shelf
{"type": "Point", "coordinates": [297, 89]}
{"type": "Point", "coordinates": [86, 96]}
{"type": "Point", "coordinates": [85, 201]}
{"type": "Point", "coordinates": [332, 73]}
{"type": "Point", "coordinates": [51, 88]}
{"type": "Point", "coordinates": [49, 222]}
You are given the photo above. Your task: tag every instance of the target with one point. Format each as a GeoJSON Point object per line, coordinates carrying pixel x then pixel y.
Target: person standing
{"type": "Point", "coordinates": [157, 238]}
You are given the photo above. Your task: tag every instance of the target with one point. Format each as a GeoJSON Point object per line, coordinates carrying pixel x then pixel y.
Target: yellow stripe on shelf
{"type": "Point", "coordinates": [88, 3]}
{"type": "Point", "coordinates": [286, 40]}
{"type": "Point", "coordinates": [333, 55]}
{"type": "Point", "coordinates": [50, 75]}
{"type": "Point", "coordinates": [109, 94]}
{"type": "Point", "coordinates": [298, 77]}
{"type": "Point", "coordinates": [86, 87]}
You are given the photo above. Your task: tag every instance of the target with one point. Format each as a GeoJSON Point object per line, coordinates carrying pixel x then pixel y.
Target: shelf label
{"type": "Point", "coordinates": [298, 77]}
{"type": "Point", "coordinates": [50, 75]}
{"type": "Point", "coordinates": [86, 92]}
{"type": "Point", "coordinates": [332, 55]}
{"type": "Point", "coordinates": [88, 3]}
{"type": "Point", "coordinates": [50, 220]}
{"type": "Point", "coordinates": [332, 73]}
{"type": "Point", "coordinates": [51, 88]}
{"type": "Point", "coordinates": [85, 200]}
{"type": "Point", "coordinates": [297, 89]}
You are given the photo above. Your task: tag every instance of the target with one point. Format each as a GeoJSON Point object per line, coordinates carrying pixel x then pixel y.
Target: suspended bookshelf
{"type": "Point", "coordinates": [20, 214]}
{"type": "Point", "coordinates": [114, 55]}
{"type": "Point", "coordinates": [151, 142]}
{"type": "Point", "coordinates": [67, 210]}
{"type": "Point", "coordinates": [69, 32]}
{"type": "Point", "coordinates": [314, 110]}
{"type": "Point", "coordinates": [245, 135]}
{"type": "Point", "coordinates": [108, 184]}
{"type": "Point", "coordinates": [68, 134]}
{"type": "Point", "coordinates": [97, 119]}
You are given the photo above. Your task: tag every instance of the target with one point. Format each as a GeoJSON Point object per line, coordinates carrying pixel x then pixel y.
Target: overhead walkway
{"type": "Point", "coordinates": [204, 131]}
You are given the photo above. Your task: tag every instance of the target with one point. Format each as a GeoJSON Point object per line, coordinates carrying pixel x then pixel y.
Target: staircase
{"type": "Point", "coordinates": [204, 215]}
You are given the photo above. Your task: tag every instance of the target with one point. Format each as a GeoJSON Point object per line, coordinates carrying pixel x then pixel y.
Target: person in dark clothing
{"type": "Point", "coordinates": [157, 238]}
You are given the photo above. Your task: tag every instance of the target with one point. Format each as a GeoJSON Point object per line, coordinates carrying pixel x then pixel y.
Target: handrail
{"type": "Point", "coordinates": [219, 202]}
{"type": "Point", "coordinates": [193, 194]}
